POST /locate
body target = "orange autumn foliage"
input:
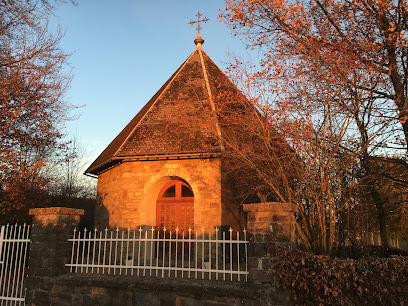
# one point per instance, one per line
(354, 41)
(338, 69)
(33, 79)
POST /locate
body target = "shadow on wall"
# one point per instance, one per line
(101, 216)
(88, 205)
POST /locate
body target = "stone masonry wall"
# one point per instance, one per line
(270, 225)
(50, 249)
(262, 251)
(81, 289)
(127, 194)
(50, 283)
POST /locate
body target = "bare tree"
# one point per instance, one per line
(349, 54)
(66, 172)
(288, 144)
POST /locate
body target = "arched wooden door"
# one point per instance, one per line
(175, 207)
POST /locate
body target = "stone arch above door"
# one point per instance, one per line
(203, 176)
(152, 190)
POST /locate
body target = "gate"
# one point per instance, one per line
(14, 243)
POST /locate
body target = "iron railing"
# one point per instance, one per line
(181, 254)
(14, 243)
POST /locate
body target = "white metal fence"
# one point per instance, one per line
(14, 243)
(162, 253)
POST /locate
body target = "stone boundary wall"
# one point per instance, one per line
(50, 283)
(86, 289)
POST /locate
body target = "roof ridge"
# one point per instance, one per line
(231, 82)
(207, 84)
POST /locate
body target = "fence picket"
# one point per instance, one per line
(14, 242)
(207, 255)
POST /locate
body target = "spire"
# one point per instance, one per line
(199, 41)
(147, 135)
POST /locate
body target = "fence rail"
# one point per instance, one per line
(163, 253)
(14, 242)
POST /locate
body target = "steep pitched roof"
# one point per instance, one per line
(179, 120)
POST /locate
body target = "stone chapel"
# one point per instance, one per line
(164, 168)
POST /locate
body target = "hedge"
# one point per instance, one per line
(321, 280)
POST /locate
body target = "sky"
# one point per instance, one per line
(124, 51)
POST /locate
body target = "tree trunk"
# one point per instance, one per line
(382, 218)
(370, 176)
(405, 127)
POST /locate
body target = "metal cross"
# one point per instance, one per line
(198, 21)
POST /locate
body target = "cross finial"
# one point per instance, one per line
(199, 41)
(198, 21)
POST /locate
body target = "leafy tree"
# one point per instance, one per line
(33, 80)
(366, 38)
(343, 59)
(284, 145)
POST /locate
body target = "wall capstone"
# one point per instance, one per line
(56, 216)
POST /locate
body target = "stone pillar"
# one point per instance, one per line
(269, 225)
(50, 249)
(275, 219)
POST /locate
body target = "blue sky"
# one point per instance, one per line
(124, 51)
